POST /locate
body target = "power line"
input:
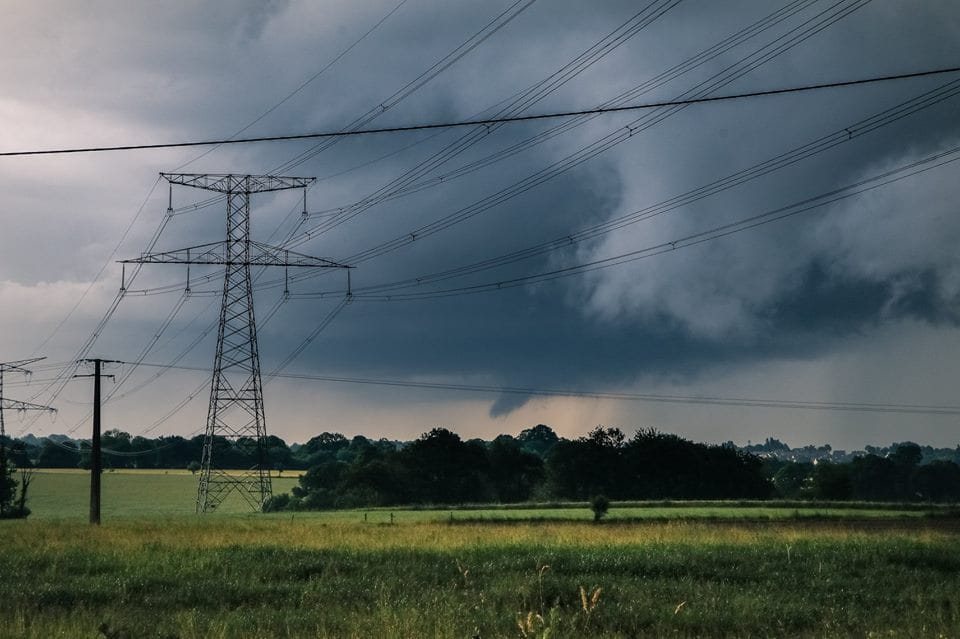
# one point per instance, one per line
(195, 392)
(499, 22)
(416, 180)
(514, 105)
(387, 294)
(402, 186)
(499, 284)
(284, 100)
(707, 88)
(782, 160)
(67, 372)
(700, 237)
(806, 205)
(416, 177)
(106, 263)
(303, 84)
(905, 408)
(490, 121)
(486, 32)
(640, 20)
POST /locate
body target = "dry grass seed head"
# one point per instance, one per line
(589, 602)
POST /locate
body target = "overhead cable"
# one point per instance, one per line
(519, 118)
(926, 409)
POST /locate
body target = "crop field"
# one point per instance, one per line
(687, 570)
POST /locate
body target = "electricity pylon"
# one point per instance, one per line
(236, 411)
(12, 404)
(17, 366)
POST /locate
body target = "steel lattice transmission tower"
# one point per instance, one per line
(236, 393)
(18, 366)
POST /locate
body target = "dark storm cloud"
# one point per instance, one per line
(506, 403)
(554, 335)
(794, 290)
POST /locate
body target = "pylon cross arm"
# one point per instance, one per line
(12, 404)
(218, 253)
(18, 365)
(233, 183)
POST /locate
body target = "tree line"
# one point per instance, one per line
(897, 476)
(440, 467)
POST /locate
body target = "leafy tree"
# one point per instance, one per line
(563, 467)
(115, 439)
(906, 458)
(652, 465)
(793, 480)
(938, 481)
(359, 448)
(320, 485)
(907, 455)
(175, 451)
(56, 455)
(514, 472)
(873, 478)
(18, 453)
(26, 478)
(604, 462)
(665, 466)
(538, 440)
(599, 505)
(733, 473)
(443, 469)
(278, 452)
(374, 482)
(13, 502)
(322, 448)
(832, 481)
(8, 487)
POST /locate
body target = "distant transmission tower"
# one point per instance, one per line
(235, 411)
(13, 404)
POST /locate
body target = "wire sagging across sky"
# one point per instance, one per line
(475, 156)
(917, 409)
(491, 121)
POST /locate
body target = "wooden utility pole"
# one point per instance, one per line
(96, 464)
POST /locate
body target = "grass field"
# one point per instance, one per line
(59, 494)
(757, 572)
(125, 493)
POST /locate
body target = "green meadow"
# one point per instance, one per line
(125, 493)
(59, 494)
(153, 569)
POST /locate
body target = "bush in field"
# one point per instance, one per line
(277, 503)
(13, 493)
(599, 505)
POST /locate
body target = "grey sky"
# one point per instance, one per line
(856, 301)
